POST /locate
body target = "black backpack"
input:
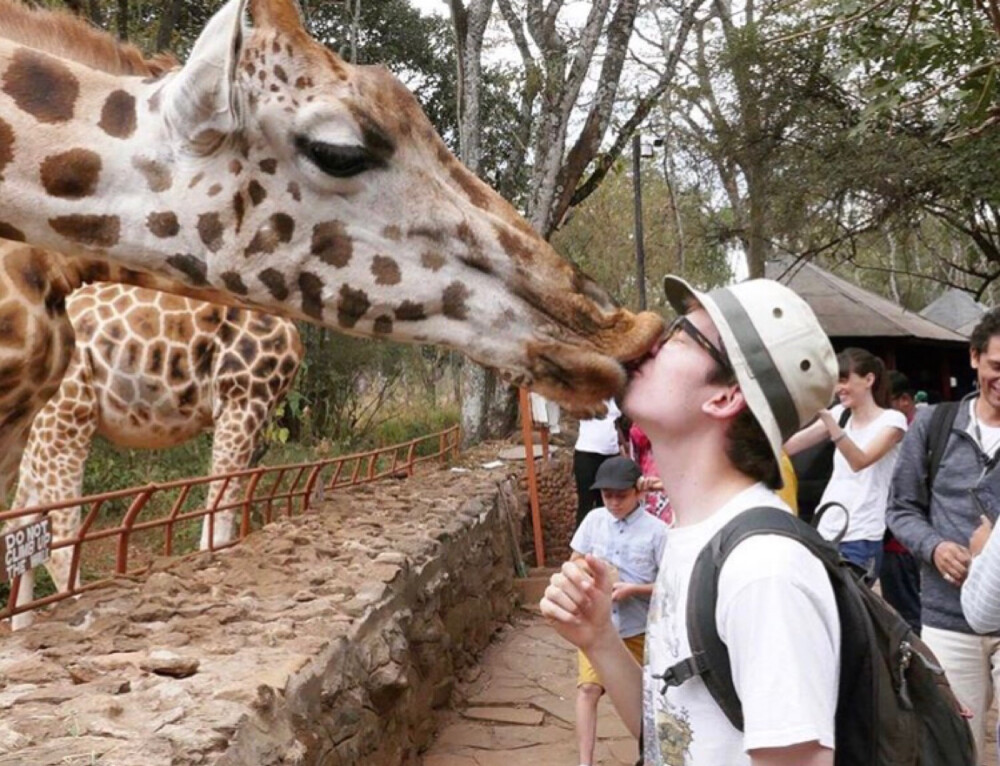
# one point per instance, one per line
(895, 706)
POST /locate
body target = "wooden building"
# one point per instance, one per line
(933, 357)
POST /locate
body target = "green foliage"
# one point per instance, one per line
(599, 237)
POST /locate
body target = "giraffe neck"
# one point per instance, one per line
(88, 171)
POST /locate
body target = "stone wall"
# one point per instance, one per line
(328, 638)
(557, 501)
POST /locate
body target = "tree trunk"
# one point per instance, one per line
(171, 12)
(122, 19)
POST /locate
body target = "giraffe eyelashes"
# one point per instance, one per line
(337, 160)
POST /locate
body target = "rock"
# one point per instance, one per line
(164, 663)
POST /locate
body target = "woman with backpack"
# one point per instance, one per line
(866, 449)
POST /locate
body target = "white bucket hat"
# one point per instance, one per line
(782, 359)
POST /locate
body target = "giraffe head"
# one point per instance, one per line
(269, 168)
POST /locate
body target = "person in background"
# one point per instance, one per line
(936, 523)
(900, 577)
(867, 447)
(641, 450)
(599, 439)
(625, 537)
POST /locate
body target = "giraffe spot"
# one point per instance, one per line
(269, 166)
(89, 230)
(233, 282)
(235, 167)
(311, 287)
(392, 233)
(226, 334)
(239, 208)
(302, 82)
(163, 225)
(206, 141)
(178, 368)
(118, 115)
(293, 189)
(194, 268)
(72, 174)
(6, 146)
(453, 300)
(513, 245)
(12, 233)
(133, 353)
(13, 326)
(276, 45)
(278, 229)
(157, 176)
(331, 244)
(274, 281)
(256, 192)
(476, 191)
(145, 322)
(156, 354)
(382, 325)
(279, 72)
(203, 357)
(264, 367)
(210, 231)
(247, 349)
(196, 180)
(352, 306)
(249, 68)
(214, 189)
(410, 311)
(385, 270)
(41, 85)
(431, 260)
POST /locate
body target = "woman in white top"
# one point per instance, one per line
(867, 447)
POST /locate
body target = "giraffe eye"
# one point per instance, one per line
(337, 160)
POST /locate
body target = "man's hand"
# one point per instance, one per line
(577, 602)
(952, 561)
(980, 536)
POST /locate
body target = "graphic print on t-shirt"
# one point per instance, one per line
(670, 722)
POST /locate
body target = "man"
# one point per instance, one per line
(900, 575)
(936, 525)
(741, 370)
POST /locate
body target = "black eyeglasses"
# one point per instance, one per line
(682, 323)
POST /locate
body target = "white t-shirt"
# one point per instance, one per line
(599, 435)
(864, 493)
(777, 615)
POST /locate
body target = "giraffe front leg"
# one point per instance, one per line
(233, 444)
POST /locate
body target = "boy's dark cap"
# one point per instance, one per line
(617, 473)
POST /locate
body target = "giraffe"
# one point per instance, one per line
(36, 335)
(269, 170)
(153, 370)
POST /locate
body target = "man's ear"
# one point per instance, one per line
(973, 359)
(725, 404)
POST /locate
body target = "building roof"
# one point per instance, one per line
(956, 309)
(846, 310)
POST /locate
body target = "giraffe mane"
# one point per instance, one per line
(62, 34)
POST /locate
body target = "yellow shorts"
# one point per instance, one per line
(587, 675)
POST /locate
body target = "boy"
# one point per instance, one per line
(740, 370)
(622, 535)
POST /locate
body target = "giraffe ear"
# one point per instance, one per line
(202, 100)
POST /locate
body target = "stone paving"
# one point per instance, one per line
(519, 710)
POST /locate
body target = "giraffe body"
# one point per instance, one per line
(270, 171)
(153, 370)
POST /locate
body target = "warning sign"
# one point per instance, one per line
(24, 548)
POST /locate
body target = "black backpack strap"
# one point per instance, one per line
(938, 433)
(710, 657)
(844, 417)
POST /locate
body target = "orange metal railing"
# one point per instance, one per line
(270, 492)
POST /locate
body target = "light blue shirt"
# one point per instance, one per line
(635, 545)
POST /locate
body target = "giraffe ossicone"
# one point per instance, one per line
(269, 170)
